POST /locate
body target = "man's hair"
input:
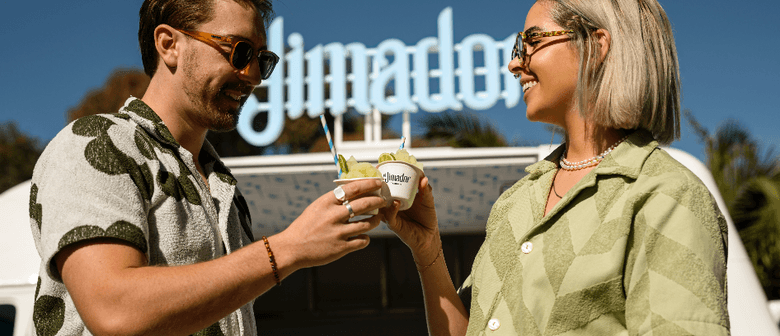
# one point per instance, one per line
(182, 14)
(637, 86)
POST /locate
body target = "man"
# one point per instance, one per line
(140, 226)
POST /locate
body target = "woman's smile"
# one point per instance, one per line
(528, 85)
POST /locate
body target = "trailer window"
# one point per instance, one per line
(7, 316)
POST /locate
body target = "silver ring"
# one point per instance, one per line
(349, 207)
(340, 194)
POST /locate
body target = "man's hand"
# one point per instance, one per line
(323, 233)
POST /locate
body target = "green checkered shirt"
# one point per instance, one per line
(637, 247)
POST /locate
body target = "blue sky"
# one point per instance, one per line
(56, 51)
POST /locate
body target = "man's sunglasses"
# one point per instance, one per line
(241, 52)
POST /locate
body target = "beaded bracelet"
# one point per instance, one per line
(441, 254)
(273, 261)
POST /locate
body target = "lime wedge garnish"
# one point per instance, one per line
(386, 157)
(343, 164)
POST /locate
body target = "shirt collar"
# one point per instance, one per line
(152, 124)
(210, 158)
(149, 120)
(626, 159)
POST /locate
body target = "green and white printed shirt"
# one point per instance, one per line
(637, 247)
(124, 176)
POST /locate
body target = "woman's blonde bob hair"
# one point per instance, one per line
(637, 86)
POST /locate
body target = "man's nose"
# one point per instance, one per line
(251, 73)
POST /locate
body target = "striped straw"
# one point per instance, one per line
(330, 143)
(403, 142)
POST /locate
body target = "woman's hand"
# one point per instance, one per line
(417, 227)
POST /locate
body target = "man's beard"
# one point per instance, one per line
(220, 118)
(214, 110)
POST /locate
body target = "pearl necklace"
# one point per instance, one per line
(571, 166)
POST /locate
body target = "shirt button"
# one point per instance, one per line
(527, 247)
(493, 324)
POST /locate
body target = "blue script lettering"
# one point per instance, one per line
(372, 71)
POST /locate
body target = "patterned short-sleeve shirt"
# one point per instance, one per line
(637, 247)
(124, 176)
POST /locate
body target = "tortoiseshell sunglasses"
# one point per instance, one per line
(241, 52)
(519, 50)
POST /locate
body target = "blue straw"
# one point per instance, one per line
(330, 143)
(403, 142)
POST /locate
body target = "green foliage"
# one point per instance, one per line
(748, 178)
(120, 85)
(756, 215)
(461, 129)
(18, 153)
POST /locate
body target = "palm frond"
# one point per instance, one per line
(461, 129)
(748, 178)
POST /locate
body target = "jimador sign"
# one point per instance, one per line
(372, 70)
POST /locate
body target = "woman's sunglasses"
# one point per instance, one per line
(241, 52)
(520, 50)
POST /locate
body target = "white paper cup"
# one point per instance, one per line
(403, 179)
(383, 192)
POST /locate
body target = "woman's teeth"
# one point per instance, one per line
(529, 85)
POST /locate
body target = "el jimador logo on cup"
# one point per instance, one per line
(396, 179)
(402, 174)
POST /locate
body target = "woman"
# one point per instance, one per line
(608, 235)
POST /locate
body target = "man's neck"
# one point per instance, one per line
(171, 111)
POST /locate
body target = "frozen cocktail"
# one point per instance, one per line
(402, 173)
(352, 170)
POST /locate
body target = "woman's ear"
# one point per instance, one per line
(166, 40)
(604, 39)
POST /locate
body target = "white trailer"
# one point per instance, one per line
(278, 188)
